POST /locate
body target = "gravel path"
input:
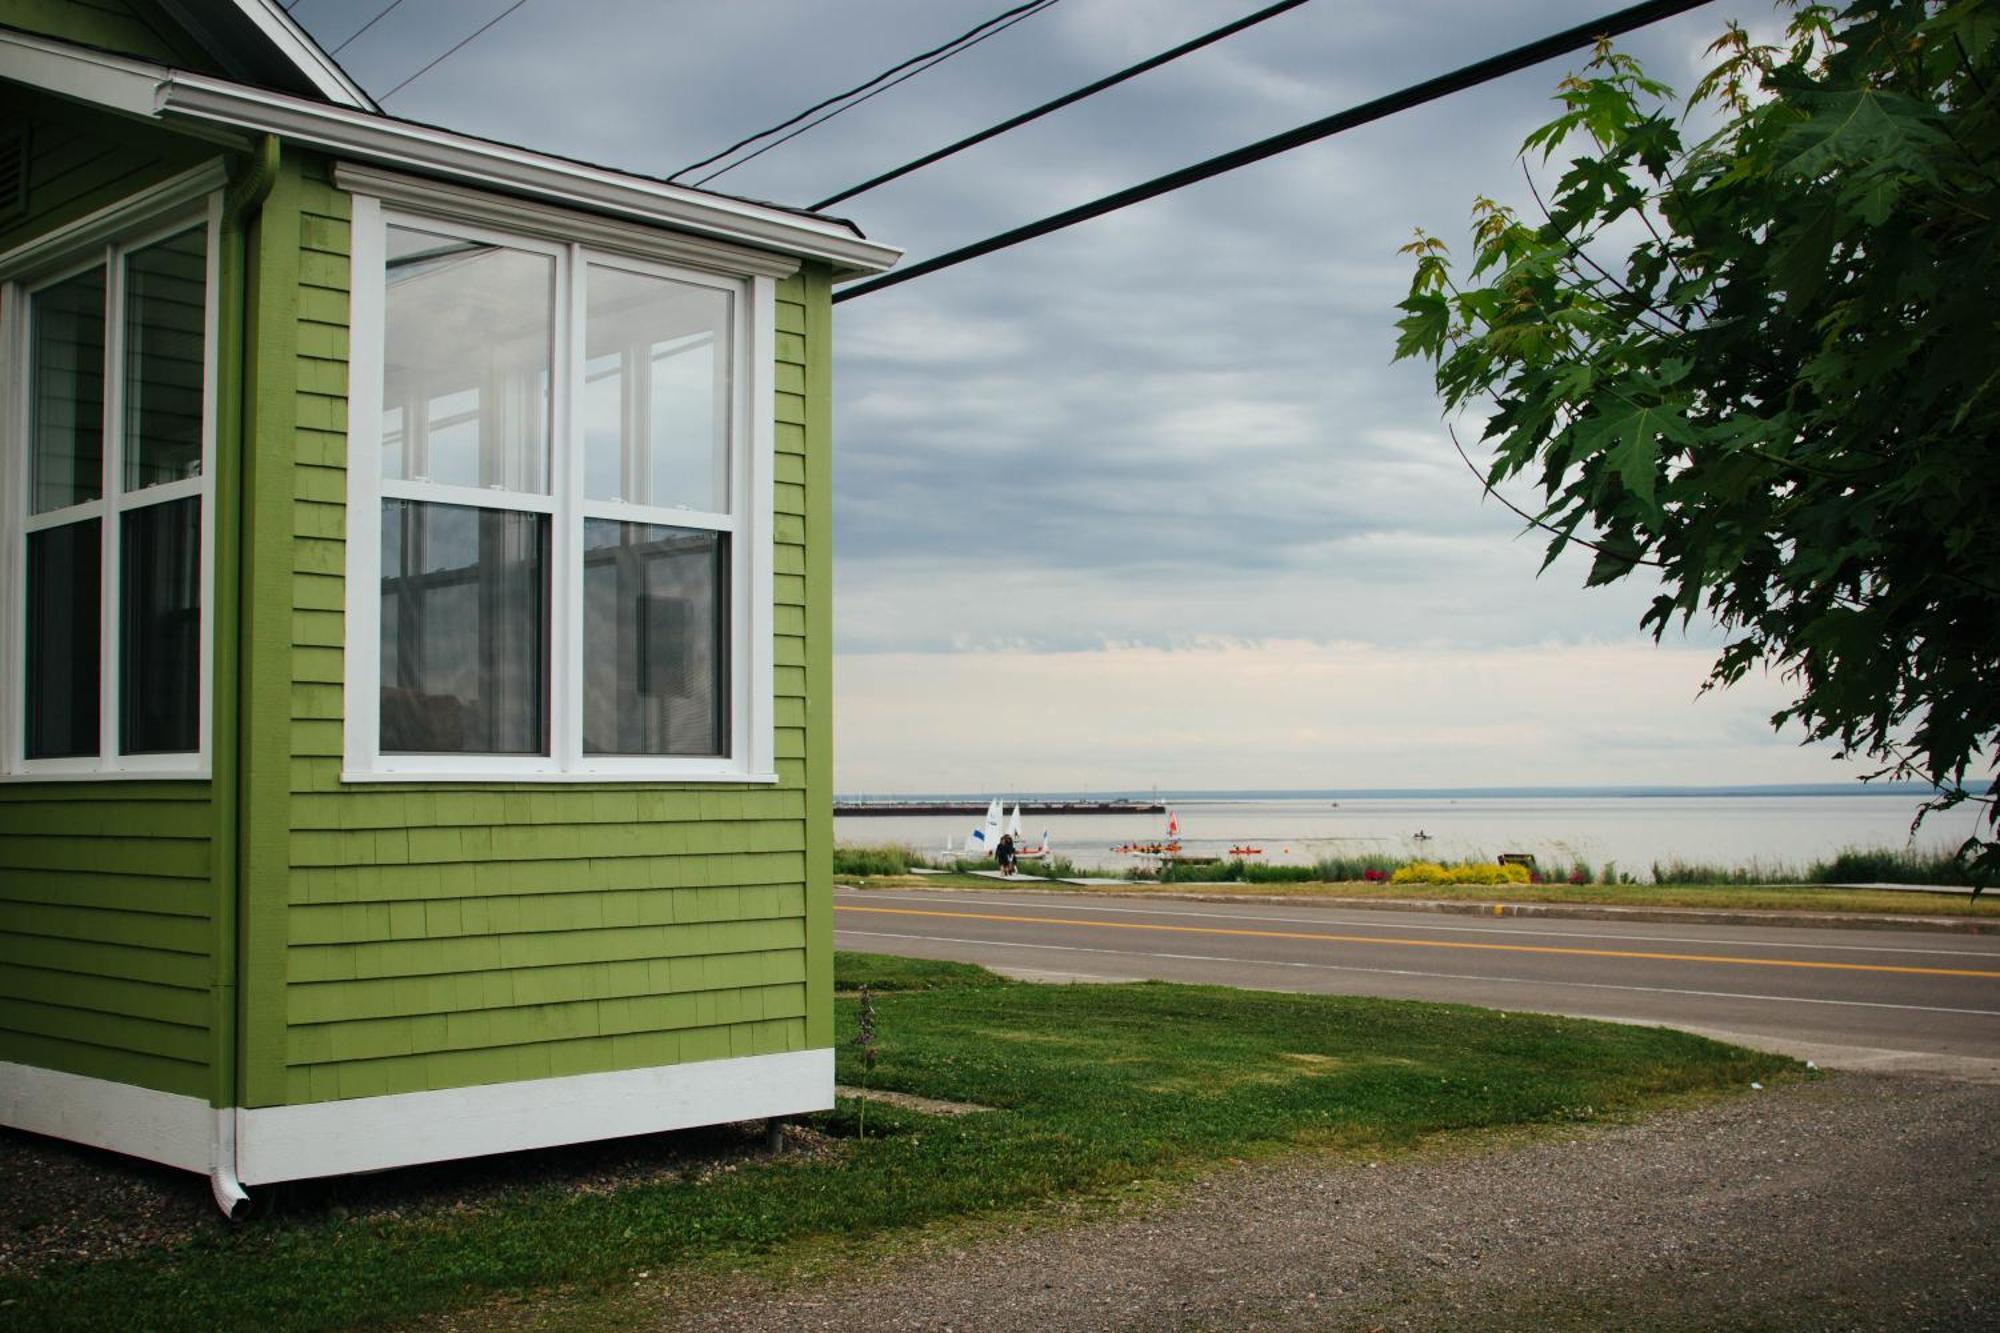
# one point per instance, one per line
(1855, 1202)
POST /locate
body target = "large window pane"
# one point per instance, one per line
(466, 363)
(66, 393)
(159, 635)
(656, 635)
(656, 391)
(63, 635)
(166, 289)
(465, 630)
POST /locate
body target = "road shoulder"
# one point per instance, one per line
(1852, 1201)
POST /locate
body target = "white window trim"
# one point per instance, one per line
(151, 215)
(752, 478)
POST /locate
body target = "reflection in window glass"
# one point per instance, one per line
(466, 362)
(62, 640)
(465, 630)
(66, 393)
(656, 391)
(655, 608)
(166, 288)
(159, 635)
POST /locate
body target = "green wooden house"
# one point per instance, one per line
(414, 620)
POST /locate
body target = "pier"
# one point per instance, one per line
(1028, 807)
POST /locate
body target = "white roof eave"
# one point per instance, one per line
(298, 46)
(425, 150)
(258, 34)
(206, 105)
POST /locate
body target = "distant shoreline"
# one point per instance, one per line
(1899, 790)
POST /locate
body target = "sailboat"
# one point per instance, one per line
(1021, 851)
(985, 838)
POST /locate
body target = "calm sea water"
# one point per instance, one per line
(1633, 831)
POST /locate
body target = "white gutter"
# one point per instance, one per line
(210, 23)
(434, 152)
(115, 82)
(209, 106)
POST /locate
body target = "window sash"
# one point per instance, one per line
(113, 503)
(749, 642)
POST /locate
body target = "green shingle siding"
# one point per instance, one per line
(542, 1059)
(82, 160)
(440, 935)
(816, 324)
(403, 938)
(106, 891)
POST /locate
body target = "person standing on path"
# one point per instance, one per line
(1004, 854)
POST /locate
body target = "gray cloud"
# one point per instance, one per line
(1174, 424)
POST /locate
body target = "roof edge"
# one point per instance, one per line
(252, 33)
(427, 150)
(205, 105)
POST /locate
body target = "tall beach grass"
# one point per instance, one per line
(1853, 865)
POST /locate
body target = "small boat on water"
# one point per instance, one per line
(984, 839)
(1246, 851)
(1169, 846)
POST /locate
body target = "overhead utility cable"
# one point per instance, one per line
(1022, 10)
(389, 9)
(1088, 90)
(454, 51)
(1430, 90)
(843, 109)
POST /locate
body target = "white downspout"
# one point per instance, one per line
(245, 196)
(230, 1196)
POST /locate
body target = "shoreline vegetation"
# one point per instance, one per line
(1760, 886)
(1852, 866)
(1084, 1109)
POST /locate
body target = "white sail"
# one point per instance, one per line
(985, 839)
(1014, 826)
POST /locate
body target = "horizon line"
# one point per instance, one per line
(1855, 788)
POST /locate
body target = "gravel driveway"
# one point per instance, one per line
(1854, 1202)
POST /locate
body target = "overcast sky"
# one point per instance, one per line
(1145, 502)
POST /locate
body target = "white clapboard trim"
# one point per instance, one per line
(139, 1122)
(403, 1129)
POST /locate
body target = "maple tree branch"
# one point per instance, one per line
(1487, 487)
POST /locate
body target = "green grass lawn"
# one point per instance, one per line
(1095, 1090)
(1725, 897)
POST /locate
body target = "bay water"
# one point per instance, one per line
(1633, 832)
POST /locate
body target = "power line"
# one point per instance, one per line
(843, 109)
(384, 13)
(1088, 90)
(454, 51)
(1430, 90)
(969, 33)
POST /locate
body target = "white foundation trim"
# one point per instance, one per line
(140, 1122)
(404, 1129)
(407, 1129)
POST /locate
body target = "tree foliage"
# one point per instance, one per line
(1785, 396)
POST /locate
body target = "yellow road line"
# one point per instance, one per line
(1424, 944)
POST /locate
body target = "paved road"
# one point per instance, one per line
(1856, 998)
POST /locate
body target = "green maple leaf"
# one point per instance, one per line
(1866, 127)
(1631, 442)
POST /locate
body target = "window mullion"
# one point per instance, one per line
(110, 576)
(620, 512)
(566, 541)
(14, 345)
